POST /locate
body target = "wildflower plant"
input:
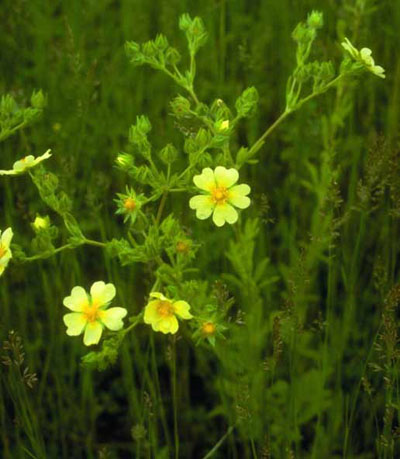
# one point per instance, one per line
(161, 237)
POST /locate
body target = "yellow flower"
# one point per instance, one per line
(90, 314)
(41, 223)
(22, 165)
(161, 313)
(5, 252)
(364, 56)
(221, 195)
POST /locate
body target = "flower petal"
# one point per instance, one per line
(181, 309)
(203, 204)
(6, 237)
(77, 300)
(9, 172)
(93, 333)
(226, 177)
(4, 260)
(168, 325)
(102, 293)
(347, 45)
(112, 318)
(205, 181)
(158, 295)
(156, 325)
(237, 196)
(75, 322)
(379, 71)
(224, 213)
(25, 163)
(364, 52)
(150, 312)
(41, 158)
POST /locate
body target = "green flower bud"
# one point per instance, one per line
(149, 50)
(161, 42)
(202, 139)
(315, 20)
(132, 50)
(7, 104)
(180, 106)
(124, 160)
(38, 100)
(222, 126)
(172, 56)
(143, 124)
(168, 154)
(246, 103)
(185, 21)
(303, 34)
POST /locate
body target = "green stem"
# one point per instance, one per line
(259, 143)
(49, 254)
(161, 207)
(137, 320)
(253, 448)
(95, 243)
(7, 133)
(174, 401)
(219, 443)
(319, 91)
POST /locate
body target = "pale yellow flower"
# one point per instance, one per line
(5, 251)
(161, 313)
(364, 57)
(90, 314)
(41, 223)
(221, 195)
(22, 165)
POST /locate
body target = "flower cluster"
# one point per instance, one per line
(22, 165)
(364, 57)
(220, 196)
(5, 251)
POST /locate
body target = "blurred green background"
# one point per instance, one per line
(334, 248)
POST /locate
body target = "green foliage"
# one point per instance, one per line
(292, 350)
(13, 117)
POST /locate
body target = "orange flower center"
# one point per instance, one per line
(208, 328)
(219, 195)
(129, 204)
(3, 251)
(182, 247)
(91, 312)
(165, 309)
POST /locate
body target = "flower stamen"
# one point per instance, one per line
(219, 195)
(129, 204)
(208, 329)
(165, 309)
